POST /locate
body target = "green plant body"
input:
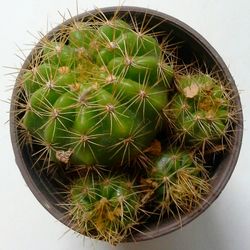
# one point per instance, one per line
(201, 111)
(177, 182)
(104, 208)
(96, 96)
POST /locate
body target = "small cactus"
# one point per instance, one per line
(176, 182)
(104, 208)
(201, 111)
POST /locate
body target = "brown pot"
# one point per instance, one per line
(193, 46)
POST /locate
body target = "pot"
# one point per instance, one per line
(193, 47)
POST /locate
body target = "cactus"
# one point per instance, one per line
(104, 95)
(104, 208)
(201, 112)
(176, 182)
(96, 96)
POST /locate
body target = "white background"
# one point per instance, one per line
(26, 225)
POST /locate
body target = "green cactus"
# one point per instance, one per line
(104, 208)
(201, 111)
(176, 183)
(80, 103)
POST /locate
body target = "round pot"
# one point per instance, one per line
(193, 47)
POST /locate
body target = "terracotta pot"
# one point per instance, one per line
(193, 46)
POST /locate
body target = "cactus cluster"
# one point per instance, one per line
(106, 100)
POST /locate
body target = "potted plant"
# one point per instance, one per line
(125, 120)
